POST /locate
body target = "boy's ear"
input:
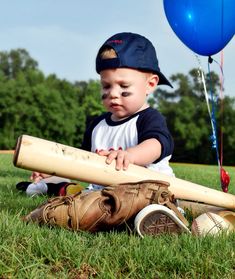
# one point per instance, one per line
(152, 82)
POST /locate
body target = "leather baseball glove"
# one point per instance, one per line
(103, 209)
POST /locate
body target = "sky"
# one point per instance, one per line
(64, 36)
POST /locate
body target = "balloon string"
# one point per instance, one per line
(222, 103)
(224, 175)
(213, 118)
(211, 112)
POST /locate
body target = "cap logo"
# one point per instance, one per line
(115, 42)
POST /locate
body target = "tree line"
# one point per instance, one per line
(58, 110)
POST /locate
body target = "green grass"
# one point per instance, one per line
(30, 251)
(206, 175)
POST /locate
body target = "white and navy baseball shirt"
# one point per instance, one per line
(106, 134)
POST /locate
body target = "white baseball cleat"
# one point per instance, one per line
(157, 219)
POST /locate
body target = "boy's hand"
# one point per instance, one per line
(142, 154)
(37, 176)
(123, 158)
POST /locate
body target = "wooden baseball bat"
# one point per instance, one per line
(45, 156)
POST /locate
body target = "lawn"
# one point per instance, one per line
(30, 251)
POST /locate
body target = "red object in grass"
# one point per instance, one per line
(224, 179)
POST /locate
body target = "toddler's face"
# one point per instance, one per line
(124, 91)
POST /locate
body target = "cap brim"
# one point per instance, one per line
(163, 80)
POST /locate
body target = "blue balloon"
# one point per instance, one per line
(205, 26)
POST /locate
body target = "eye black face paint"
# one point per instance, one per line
(104, 96)
(126, 94)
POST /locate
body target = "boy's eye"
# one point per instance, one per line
(105, 86)
(126, 94)
(124, 86)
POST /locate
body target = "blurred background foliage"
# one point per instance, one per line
(58, 110)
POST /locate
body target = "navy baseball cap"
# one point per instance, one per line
(133, 51)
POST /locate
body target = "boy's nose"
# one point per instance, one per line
(114, 93)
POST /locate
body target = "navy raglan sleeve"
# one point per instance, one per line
(87, 138)
(152, 124)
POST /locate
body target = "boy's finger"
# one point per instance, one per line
(36, 180)
(126, 164)
(119, 161)
(103, 152)
(111, 156)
